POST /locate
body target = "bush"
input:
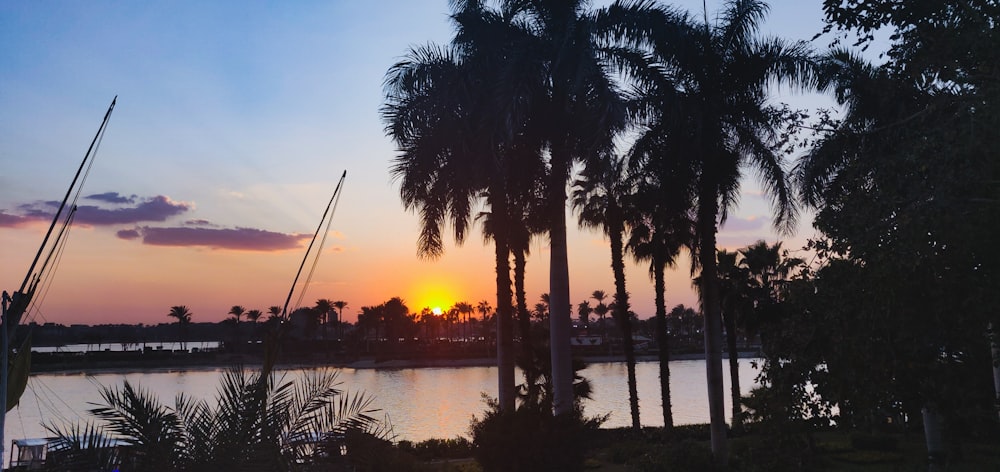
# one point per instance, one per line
(531, 439)
(433, 449)
(683, 456)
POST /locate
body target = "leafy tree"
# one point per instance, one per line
(902, 183)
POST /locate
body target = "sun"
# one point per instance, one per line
(433, 294)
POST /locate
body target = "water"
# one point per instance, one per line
(421, 403)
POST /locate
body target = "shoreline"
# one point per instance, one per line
(359, 364)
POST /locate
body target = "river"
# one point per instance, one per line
(421, 403)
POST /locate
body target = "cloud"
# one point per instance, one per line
(198, 222)
(157, 208)
(128, 234)
(751, 223)
(111, 197)
(138, 210)
(239, 239)
(8, 220)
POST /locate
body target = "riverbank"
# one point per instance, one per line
(95, 364)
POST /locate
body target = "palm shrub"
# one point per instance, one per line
(531, 437)
(258, 422)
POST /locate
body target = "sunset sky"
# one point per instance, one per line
(234, 121)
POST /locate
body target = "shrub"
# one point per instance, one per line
(530, 439)
(433, 449)
(686, 455)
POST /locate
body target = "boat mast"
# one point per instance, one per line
(336, 191)
(16, 305)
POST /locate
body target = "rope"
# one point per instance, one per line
(319, 250)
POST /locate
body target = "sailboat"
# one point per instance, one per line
(14, 372)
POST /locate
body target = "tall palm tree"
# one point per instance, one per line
(183, 316)
(442, 108)
(717, 119)
(339, 327)
(580, 112)
(323, 308)
(734, 296)
(236, 312)
(600, 310)
(659, 231)
(254, 316)
(583, 312)
(602, 197)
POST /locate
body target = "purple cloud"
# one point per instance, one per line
(239, 239)
(128, 234)
(158, 208)
(8, 220)
(198, 223)
(111, 197)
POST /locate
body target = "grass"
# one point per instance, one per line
(622, 450)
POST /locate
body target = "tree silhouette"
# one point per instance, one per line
(183, 317)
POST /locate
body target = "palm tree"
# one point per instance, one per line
(454, 147)
(183, 317)
(339, 327)
(716, 118)
(237, 312)
(659, 231)
(254, 316)
(600, 309)
(579, 111)
(256, 423)
(583, 311)
(734, 294)
(323, 308)
(602, 196)
(463, 308)
(274, 312)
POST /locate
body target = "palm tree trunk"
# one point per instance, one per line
(559, 306)
(505, 332)
(621, 312)
(664, 343)
(734, 370)
(524, 325)
(712, 310)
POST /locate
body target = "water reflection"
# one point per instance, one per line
(421, 403)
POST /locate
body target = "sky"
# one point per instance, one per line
(233, 123)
